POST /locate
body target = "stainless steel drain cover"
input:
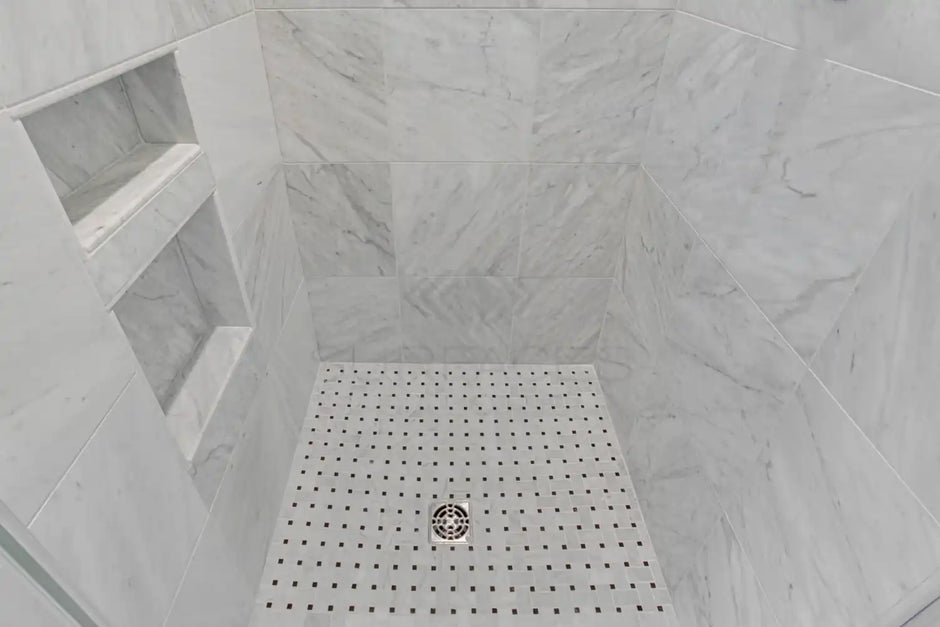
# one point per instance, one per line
(449, 522)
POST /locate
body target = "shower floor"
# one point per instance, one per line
(557, 536)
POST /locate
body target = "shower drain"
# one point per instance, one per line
(449, 522)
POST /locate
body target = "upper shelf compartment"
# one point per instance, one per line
(124, 159)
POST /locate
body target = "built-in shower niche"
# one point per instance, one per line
(185, 318)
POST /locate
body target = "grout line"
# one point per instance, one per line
(737, 30)
(635, 164)
(85, 445)
(380, 7)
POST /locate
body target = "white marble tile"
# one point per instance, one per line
(121, 244)
(164, 321)
(250, 494)
(46, 44)
(458, 219)
(190, 16)
(124, 519)
(224, 431)
(597, 79)
(721, 588)
(574, 219)
(294, 364)
(80, 136)
(558, 321)
(327, 77)
(342, 217)
(776, 146)
(834, 536)
(609, 4)
(731, 371)
(52, 326)
(227, 89)
(896, 40)
(880, 361)
(456, 319)
(466, 4)
(156, 94)
(356, 318)
(745, 15)
(212, 267)
(215, 591)
(461, 84)
(269, 262)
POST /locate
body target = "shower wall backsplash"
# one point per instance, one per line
(458, 179)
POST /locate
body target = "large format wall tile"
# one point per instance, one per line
(558, 321)
(327, 81)
(224, 77)
(834, 536)
(356, 318)
(123, 521)
(461, 84)
(574, 219)
(880, 360)
(597, 79)
(270, 264)
(342, 217)
(53, 328)
(772, 147)
(293, 366)
(722, 588)
(46, 43)
(456, 319)
(190, 16)
(458, 219)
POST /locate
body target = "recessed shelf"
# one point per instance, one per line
(104, 203)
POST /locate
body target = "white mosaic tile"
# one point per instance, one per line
(557, 534)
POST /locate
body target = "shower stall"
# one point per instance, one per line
(328, 313)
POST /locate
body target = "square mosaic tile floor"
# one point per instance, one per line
(557, 537)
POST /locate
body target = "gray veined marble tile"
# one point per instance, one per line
(456, 319)
(461, 84)
(880, 359)
(342, 217)
(74, 40)
(190, 16)
(327, 79)
(721, 588)
(574, 219)
(156, 95)
(458, 219)
(356, 318)
(770, 145)
(558, 321)
(834, 536)
(227, 89)
(597, 80)
(294, 364)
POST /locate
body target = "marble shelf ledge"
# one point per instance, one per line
(195, 403)
(124, 216)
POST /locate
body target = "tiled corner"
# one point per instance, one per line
(356, 318)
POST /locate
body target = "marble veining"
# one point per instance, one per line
(159, 103)
(461, 84)
(190, 16)
(879, 360)
(558, 320)
(357, 318)
(342, 216)
(597, 79)
(835, 537)
(458, 219)
(294, 363)
(327, 81)
(574, 219)
(456, 319)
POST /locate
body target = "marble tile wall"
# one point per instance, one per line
(767, 344)
(458, 172)
(85, 459)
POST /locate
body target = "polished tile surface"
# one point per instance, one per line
(458, 219)
(556, 536)
(597, 78)
(327, 80)
(461, 84)
(342, 217)
(356, 318)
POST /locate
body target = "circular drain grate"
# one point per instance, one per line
(450, 523)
